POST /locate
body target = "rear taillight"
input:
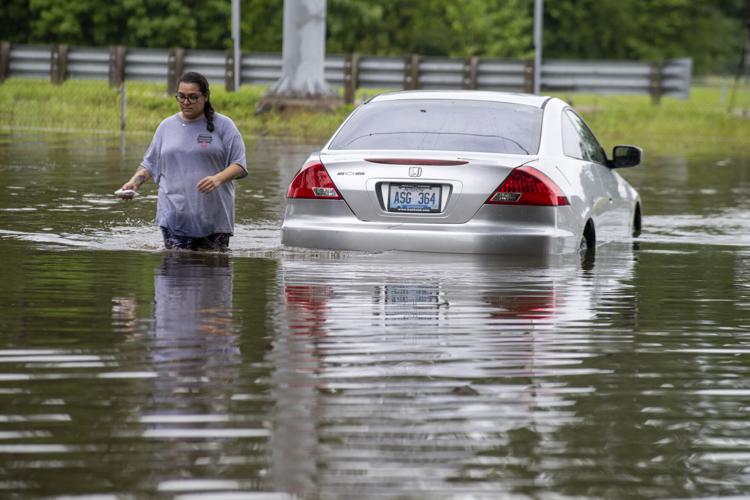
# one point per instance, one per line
(528, 186)
(313, 181)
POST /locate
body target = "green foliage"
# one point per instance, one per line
(74, 23)
(262, 25)
(148, 25)
(15, 20)
(634, 29)
(134, 23)
(213, 19)
(493, 28)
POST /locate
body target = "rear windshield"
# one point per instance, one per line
(431, 124)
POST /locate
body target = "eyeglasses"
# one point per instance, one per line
(192, 98)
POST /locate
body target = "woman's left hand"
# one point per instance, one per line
(208, 184)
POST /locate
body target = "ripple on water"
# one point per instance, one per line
(729, 227)
(248, 240)
(330, 374)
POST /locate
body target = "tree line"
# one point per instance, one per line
(710, 31)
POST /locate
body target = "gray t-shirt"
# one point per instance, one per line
(181, 154)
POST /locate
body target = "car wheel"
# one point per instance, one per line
(588, 238)
(637, 222)
(582, 246)
(587, 247)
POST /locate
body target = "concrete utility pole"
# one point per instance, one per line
(302, 82)
(538, 14)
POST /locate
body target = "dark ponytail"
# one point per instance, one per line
(208, 110)
(202, 83)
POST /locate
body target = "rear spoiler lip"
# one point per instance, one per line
(417, 161)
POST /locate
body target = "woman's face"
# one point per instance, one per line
(191, 110)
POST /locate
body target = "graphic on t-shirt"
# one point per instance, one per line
(205, 139)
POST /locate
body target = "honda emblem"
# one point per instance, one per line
(415, 171)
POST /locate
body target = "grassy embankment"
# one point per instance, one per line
(93, 107)
(699, 123)
(702, 123)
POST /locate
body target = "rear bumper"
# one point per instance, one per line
(331, 225)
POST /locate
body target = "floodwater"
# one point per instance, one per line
(129, 372)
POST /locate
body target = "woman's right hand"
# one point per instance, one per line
(128, 186)
(140, 176)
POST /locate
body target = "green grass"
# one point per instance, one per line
(94, 107)
(674, 125)
(702, 122)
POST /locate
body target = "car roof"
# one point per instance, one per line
(467, 95)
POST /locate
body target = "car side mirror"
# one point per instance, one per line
(626, 156)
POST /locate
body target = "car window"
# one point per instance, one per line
(442, 124)
(572, 142)
(591, 148)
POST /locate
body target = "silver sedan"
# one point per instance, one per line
(462, 172)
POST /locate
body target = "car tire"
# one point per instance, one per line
(637, 222)
(588, 238)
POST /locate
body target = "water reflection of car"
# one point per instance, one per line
(421, 372)
(426, 289)
(463, 172)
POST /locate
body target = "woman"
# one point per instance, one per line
(193, 158)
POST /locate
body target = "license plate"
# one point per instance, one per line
(414, 198)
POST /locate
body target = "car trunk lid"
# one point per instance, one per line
(433, 187)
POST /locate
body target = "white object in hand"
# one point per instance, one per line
(128, 193)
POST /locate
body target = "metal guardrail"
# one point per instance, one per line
(59, 62)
